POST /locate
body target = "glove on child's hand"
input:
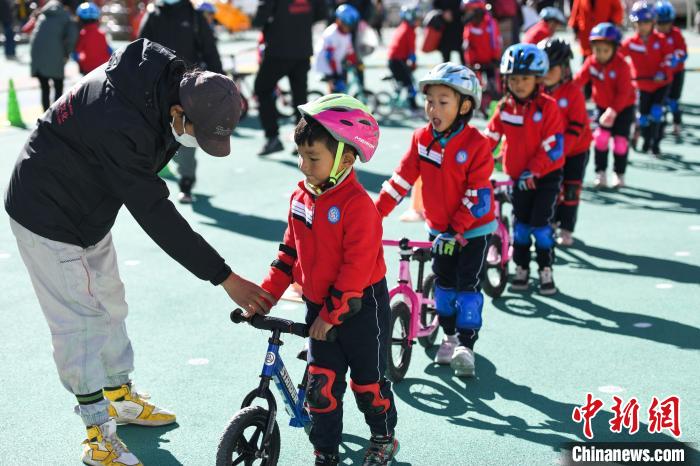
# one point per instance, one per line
(527, 181)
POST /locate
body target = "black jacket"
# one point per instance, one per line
(286, 25)
(183, 29)
(101, 146)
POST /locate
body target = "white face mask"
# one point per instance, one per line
(185, 139)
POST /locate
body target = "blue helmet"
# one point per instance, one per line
(347, 14)
(88, 11)
(665, 13)
(206, 7)
(524, 59)
(605, 31)
(408, 13)
(551, 13)
(641, 11)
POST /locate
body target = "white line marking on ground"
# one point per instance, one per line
(694, 228)
(131, 262)
(4, 255)
(198, 362)
(681, 253)
(664, 286)
(610, 389)
(642, 325)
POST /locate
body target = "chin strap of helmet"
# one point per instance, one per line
(335, 175)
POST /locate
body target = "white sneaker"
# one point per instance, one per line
(463, 362)
(104, 448)
(600, 180)
(618, 181)
(521, 281)
(565, 238)
(447, 348)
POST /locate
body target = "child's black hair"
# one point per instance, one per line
(309, 131)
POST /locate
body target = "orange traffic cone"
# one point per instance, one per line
(415, 212)
(14, 117)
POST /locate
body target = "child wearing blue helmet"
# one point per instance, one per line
(91, 50)
(532, 127)
(665, 14)
(337, 50)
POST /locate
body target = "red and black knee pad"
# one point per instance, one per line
(319, 390)
(372, 398)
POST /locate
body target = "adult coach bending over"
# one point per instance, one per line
(99, 147)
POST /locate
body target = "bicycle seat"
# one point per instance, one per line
(421, 255)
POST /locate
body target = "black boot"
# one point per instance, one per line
(326, 459)
(647, 137)
(656, 135)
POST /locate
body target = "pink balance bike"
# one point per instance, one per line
(500, 250)
(413, 316)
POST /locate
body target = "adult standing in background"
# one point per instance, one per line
(177, 25)
(7, 18)
(286, 27)
(587, 13)
(53, 39)
(451, 39)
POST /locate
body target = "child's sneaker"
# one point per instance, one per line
(326, 459)
(618, 181)
(104, 448)
(447, 349)
(463, 362)
(381, 451)
(547, 282)
(565, 238)
(600, 180)
(128, 407)
(521, 281)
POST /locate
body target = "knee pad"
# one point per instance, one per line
(544, 237)
(319, 390)
(572, 192)
(445, 301)
(657, 113)
(469, 306)
(371, 398)
(643, 120)
(601, 137)
(673, 105)
(620, 145)
(521, 234)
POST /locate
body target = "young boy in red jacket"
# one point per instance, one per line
(577, 133)
(482, 42)
(650, 57)
(333, 249)
(454, 161)
(91, 50)
(402, 53)
(551, 19)
(614, 97)
(533, 156)
(665, 14)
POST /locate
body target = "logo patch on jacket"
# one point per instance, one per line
(537, 116)
(461, 156)
(334, 215)
(612, 74)
(563, 102)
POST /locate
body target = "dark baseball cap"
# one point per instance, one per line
(213, 104)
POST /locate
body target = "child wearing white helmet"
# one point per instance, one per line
(454, 161)
(333, 249)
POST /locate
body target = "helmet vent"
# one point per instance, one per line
(365, 122)
(346, 122)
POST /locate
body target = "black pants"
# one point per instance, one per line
(535, 208)
(272, 69)
(401, 72)
(674, 93)
(46, 88)
(362, 345)
(570, 194)
(461, 272)
(621, 128)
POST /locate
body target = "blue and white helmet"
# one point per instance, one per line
(458, 77)
(524, 59)
(88, 11)
(665, 13)
(641, 11)
(347, 14)
(408, 13)
(551, 13)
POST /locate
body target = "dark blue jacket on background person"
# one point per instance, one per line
(101, 146)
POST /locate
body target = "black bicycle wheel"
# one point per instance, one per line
(241, 443)
(285, 107)
(495, 275)
(400, 351)
(384, 104)
(427, 313)
(313, 95)
(368, 98)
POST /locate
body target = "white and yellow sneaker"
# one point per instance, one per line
(128, 407)
(104, 448)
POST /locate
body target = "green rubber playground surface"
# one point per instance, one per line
(626, 321)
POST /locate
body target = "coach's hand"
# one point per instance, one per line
(249, 296)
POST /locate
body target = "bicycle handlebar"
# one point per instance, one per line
(406, 243)
(275, 323)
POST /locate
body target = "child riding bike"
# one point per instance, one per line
(402, 53)
(337, 49)
(333, 249)
(454, 161)
(533, 156)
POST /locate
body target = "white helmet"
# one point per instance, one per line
(458, 77)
